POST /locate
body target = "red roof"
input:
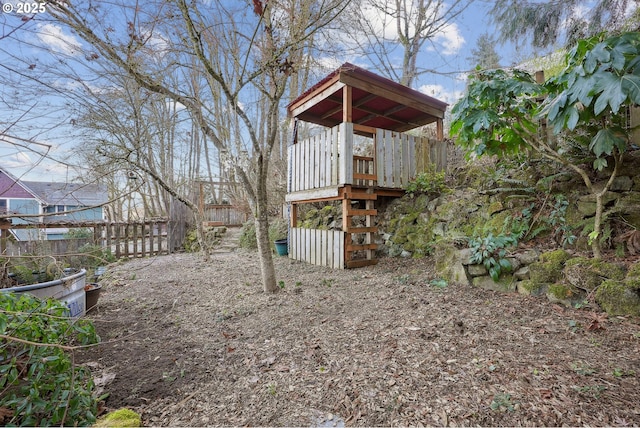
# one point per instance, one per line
(376, 101)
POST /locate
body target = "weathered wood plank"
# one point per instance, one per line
(396, 148)
(412, 162)
(404, 164)
(388, 162)
(345, 158)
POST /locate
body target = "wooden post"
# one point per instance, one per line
(135, 239)
(152, 233)
(293, 215)
(439, 130)
(5, 225)
(347, 104)
(116, 238)
(345, 157)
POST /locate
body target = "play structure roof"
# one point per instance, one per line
(376, 102)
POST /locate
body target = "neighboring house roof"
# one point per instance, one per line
(12, 187)
(71, 194)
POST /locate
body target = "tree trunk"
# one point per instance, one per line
(597, 226)
(264, 245)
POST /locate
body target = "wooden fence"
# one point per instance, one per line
(227, 215)
(318, 247)
(135, 239)
(132, 239)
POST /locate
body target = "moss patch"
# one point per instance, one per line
(633, 277)
(530, 288)
(588, 274)
(557, 257)
(119, 418)
(565, 294)
(616, 298)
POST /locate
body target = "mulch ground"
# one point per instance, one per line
(192, 343)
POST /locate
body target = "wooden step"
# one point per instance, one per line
(359, 247)
(351, 264)
(358, 229)
(367, 177)
(358, 196)
(352, 212)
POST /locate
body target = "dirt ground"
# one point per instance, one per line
(194, 343)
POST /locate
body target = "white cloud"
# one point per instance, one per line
(441, 93)
(58, 41)
(449, 41)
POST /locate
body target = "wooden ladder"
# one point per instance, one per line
(362, 252)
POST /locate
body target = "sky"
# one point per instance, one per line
(449, 54)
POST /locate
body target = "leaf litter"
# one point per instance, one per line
(195, 343)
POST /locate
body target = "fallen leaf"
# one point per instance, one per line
(5, 414)
(546, 394)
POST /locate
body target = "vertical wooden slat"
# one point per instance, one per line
(323, 248)
(335, 149)
(326, 159)
(340, 254)
(346, 154)
(290, 164)
(331, 242)
(318, 258)
(397, 157)
(152, 236)
(412, 159)
(135, 239)
(312, 246)
(388, 164)
(322, 159)
(295, 180)
(379, 155)
(306, 245)
(144, 239)
(318, 162)
(406, 160)
(306, 157)
(116, 238)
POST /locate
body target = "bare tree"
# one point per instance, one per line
(246, 52)
(379, 28)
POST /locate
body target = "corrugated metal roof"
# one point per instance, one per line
(71, 194)
(376, 101)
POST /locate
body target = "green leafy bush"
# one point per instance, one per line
(430, 182)
(278, 229)
(91, 256)
(79, 233)
(39, 383)
(491, 252)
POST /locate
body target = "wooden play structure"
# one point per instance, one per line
(353, 103)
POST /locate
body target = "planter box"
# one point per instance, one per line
(69, 290)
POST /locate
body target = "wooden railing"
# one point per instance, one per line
(227, 215)
(400, 157)
(364, 173)
(323, 161)
(320, 164)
